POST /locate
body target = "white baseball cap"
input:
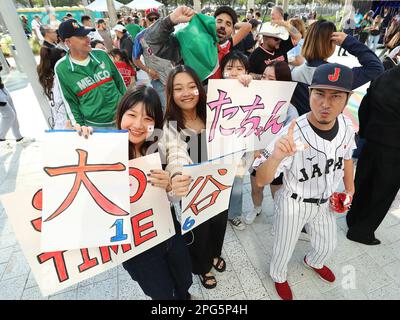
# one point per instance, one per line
(119, 27)
(275, 31)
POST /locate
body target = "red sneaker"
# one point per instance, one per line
(325, 273)
(283, 290)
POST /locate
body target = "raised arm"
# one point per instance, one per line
(371, 66)
(295, 35)
(243, 30)
(160, 38)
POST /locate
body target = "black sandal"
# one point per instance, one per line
(203, 279)
(218, 267)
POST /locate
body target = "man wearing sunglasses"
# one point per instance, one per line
(277, 18)
(156, 68)
(152, 15)
(269, 51)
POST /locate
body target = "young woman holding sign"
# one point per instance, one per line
(184, 142)
(164, 271)
(235, 65)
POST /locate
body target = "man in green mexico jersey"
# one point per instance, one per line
(90, 83)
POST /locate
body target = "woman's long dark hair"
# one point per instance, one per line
(173, 112)
(45, 69)
(149, 97)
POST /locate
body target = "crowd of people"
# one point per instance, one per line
(89, 77)
(371, 28)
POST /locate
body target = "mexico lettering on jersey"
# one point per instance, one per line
(89, 81)
(317, 171)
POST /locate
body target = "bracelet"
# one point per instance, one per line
(171, 193)
(264, 155)
(174, 175)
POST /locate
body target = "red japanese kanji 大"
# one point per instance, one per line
(81, 177)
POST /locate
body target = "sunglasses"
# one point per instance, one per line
(151, 19)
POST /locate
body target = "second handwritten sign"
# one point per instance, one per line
(241, 117)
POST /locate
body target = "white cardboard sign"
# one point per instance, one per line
(241, 117)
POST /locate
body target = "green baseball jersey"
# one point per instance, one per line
(90, 93)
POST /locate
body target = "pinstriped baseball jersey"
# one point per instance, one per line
(317, 171)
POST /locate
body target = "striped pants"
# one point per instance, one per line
(290, 217)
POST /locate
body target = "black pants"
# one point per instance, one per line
(377, 183)
(363, 37)
(164, 271)
(205, 242)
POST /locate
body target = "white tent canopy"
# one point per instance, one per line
(144, 4)
(101, 6)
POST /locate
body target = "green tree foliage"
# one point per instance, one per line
(55, 3)
(60, 3)
(30, 3)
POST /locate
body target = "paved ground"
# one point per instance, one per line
(362, 272)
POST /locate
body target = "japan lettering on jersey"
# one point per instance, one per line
(317, 171)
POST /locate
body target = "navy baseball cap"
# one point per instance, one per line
(332, 76)
(71, 28)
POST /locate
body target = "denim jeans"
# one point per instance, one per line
(373, 42)
(9, 120)
(235, 202)
(160, 88)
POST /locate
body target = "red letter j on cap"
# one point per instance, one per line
(334, 77)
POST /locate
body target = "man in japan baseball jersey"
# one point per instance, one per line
(314, 153)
